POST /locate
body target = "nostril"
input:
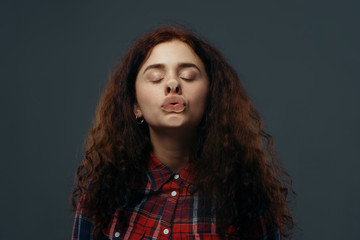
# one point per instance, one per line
(177, 89)
(168, 89)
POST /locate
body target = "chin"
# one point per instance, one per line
(175, 121)
(175, 125)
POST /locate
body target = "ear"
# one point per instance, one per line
(137, 110)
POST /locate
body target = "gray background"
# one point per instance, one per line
(299, 61)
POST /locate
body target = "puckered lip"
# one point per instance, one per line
(173, 100)
(175, 104)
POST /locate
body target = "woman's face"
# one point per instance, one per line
(171, 87)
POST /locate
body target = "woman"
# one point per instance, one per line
(177, 151)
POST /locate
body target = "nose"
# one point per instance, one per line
(173, 87)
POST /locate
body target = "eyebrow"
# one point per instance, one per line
(188, 65)
(162, 66)
(154, 66)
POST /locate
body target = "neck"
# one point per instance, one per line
(171, 148)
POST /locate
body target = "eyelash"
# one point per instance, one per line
(157, 80)
(183, 78)
(187, 78)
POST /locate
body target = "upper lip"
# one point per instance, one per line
(173, 100)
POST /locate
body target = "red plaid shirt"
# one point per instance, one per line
(165, 209)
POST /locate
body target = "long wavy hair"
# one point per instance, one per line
(234, 157)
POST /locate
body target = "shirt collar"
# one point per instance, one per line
(159, 173)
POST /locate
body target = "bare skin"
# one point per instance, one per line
(171, 90)
(169, 150)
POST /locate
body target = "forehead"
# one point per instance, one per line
(174, 51)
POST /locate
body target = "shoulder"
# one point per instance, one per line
(83, 223)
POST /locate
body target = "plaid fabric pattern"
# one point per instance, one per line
(165, 209)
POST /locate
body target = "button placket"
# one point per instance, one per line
(173, 191)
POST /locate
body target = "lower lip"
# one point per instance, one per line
(173, 108)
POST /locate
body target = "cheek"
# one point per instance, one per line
(141, 94)
(146, 97)
(201, 94)
(199, 99)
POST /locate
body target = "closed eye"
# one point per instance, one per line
(188, 78)
(155, 75)
(157, 80)
(188, 74)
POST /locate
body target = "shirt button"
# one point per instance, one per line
(166, 231)
(117, 234)
(176, 176)
(173, 193)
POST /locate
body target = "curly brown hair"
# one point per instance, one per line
(234, 157)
